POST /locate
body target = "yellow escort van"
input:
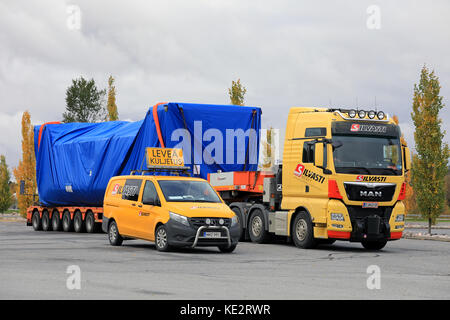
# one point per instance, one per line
(172, 211)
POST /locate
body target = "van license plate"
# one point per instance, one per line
(212, 234)
(370, 205)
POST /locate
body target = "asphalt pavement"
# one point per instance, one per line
(48, 265)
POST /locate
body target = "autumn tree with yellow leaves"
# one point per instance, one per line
(26, 170)
(430, 163)
(111, 106)
(237, 93)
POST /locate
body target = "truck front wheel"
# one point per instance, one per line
(302, 231)
(374, 245)
(256, 227)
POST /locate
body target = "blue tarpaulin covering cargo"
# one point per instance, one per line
(74, 161)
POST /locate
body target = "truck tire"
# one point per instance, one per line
(36, 221)
(67, 223)
(373, 245)
(257, 227)
(302, 231)
(226, 249)
(161, 239)
(46, 224)
(56, 221)
(78, 223)
(90, 222)
(325, 241)
(115, 239)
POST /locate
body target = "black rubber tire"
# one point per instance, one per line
(161, 239)
(256, 227)
(46, 223)
(90, 222)
(226, 249)
(78, 223)
(36, 221)
(302, 222)
(325, 241)
(56, 221)
(374, 245)
(237, 212)
(67, 222)
(114, 237)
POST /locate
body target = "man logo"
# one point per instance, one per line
(371, 194)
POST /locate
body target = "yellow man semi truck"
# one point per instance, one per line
(342, 178)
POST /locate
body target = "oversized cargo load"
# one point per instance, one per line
(74, 161)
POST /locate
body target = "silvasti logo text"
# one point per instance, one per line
(370, 179)
(368, 128)
(300, 171)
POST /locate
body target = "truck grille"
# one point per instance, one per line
(199, 222)
(360, 191)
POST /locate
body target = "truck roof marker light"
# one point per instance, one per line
(380, 115)
(402, 194)
(352, 113)
(333, 190)
(361, 114)
(371, 114)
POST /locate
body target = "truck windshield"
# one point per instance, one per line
(188, 191)
(367, 155)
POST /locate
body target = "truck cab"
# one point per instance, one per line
(342, 178)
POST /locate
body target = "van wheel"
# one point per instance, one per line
(302, 232)
(256, 227)
(56, 221)
(237, 212)
(36, 221)
(161, 239)
(115, 239)
(45, 221)
(78, 223)
(374, 245)
(226, 249)
(67, 222)
(90, 223)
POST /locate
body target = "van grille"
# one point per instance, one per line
(199, 222)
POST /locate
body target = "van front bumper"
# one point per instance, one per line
(180, 235)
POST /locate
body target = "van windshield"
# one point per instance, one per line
(188, 191)
(367, 155)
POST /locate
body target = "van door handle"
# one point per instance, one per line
(133, 204)
(140, 205)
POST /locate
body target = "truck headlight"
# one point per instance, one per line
(234, 220)
(337, 217)
(400, 218)
(179, 218)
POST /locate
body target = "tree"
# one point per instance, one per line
(6, 199)
(113, 115)
(26, 169)
(237, 93)
(84, 102)
(430, 164)
(410, 199)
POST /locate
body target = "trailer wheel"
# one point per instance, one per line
(374, 245)
(256, 227)
(78, 223)
(115, 239)
(67, 222)
(90, 222)
(46, 221)
(36, 221)
(302, 232)
(56, 221)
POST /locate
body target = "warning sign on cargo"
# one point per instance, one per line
(164, 157)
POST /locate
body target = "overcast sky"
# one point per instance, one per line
(286, 53)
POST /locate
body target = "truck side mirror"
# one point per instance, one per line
(407, 156)
(318, 155)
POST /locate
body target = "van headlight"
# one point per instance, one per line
(179, 218)
(400, 218)
(234, 220)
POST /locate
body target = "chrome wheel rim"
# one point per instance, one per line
(161, 238)
(257, 226)
(301, 229)
(112, 233)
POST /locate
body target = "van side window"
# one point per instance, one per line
(308, 152)
(150, 196)
(131, 189)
